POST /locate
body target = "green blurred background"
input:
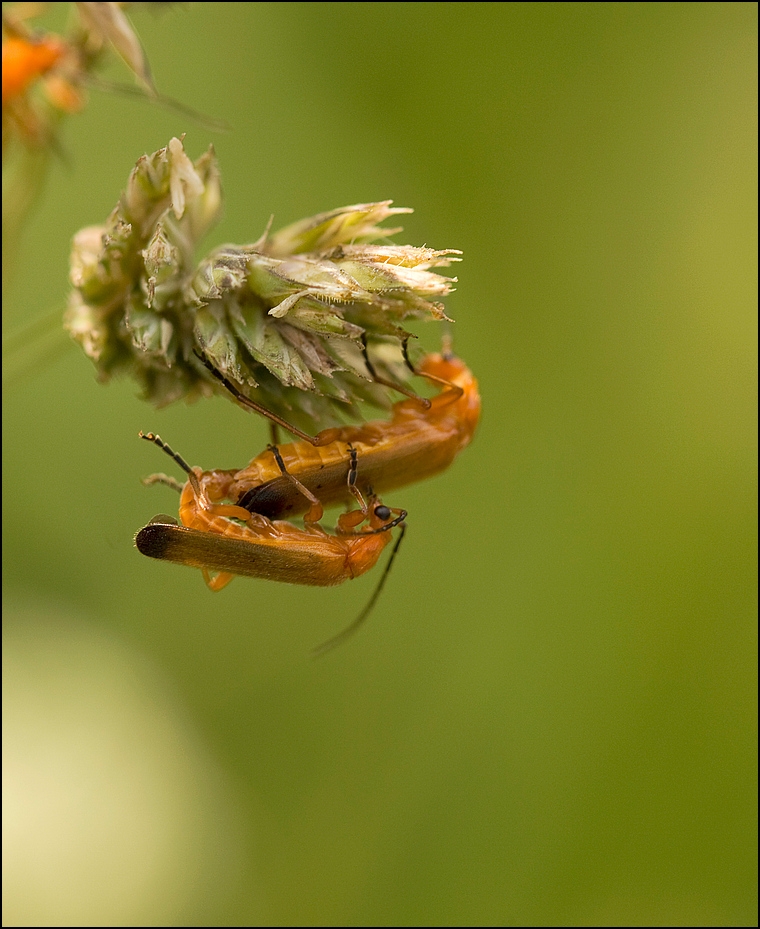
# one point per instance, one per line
(550, 718)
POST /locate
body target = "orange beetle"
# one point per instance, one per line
(209, 539)
(421, 439)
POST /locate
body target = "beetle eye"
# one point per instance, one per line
(382, 512)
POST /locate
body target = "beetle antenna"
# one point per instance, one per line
(157, 440)
(341, 637)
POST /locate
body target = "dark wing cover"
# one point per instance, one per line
(291, 565)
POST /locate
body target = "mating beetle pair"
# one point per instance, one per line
(232, 521)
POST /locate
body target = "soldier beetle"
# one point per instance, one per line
(211, 540)
(421, 439)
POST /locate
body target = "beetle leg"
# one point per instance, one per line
(353, 470)
(162, 478)
(217, 581)
(425, 404)
(316, 510)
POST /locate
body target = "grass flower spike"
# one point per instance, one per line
(286, 318)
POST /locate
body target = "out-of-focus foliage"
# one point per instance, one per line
(46, 75)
